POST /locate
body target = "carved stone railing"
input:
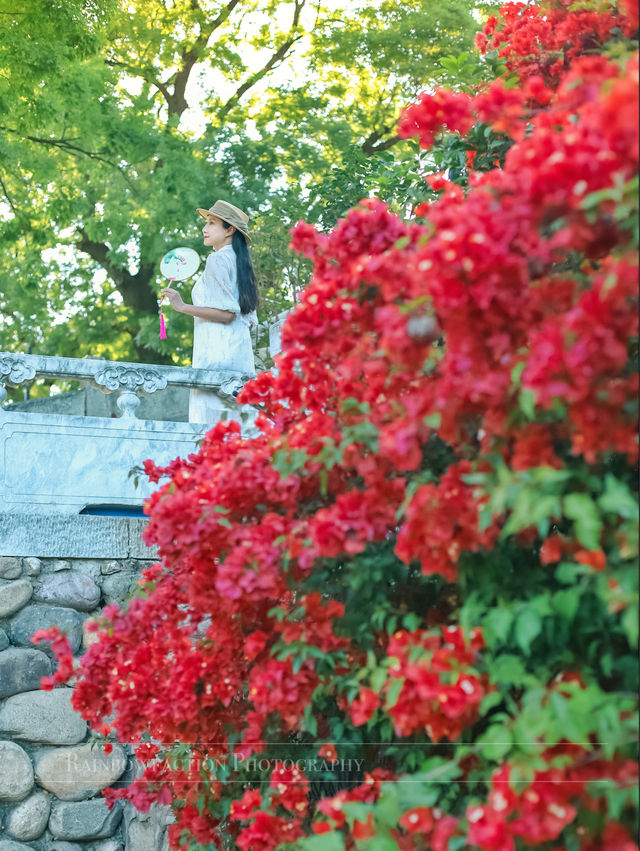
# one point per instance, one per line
(130, 380)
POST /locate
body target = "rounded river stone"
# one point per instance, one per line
(33, 618)
(84, 820)
(14, 596)
(10, 567)
(16, 777)
(10, 845)
(29, 819)
(76, 773)
(21, 670)
(45, 717)
(70, 588)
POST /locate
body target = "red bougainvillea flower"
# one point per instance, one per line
(417, 820)
(291, 787)
(362, 708)
(61, 648)
(243, 809)
(328, 752)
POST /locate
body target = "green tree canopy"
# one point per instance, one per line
(118, 119)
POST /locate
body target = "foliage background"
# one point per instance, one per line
(119, 119)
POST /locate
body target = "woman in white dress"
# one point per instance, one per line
(224, 298)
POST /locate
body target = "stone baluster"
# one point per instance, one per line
(132, 383)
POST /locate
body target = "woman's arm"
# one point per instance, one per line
(211, 314)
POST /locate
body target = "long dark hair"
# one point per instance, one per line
(247, 289)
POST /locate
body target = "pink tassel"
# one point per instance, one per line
(163, 329)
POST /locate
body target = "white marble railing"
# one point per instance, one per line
(61, 463)
(52, 463)
(129, 380)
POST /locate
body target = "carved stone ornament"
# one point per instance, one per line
(14, 370)
(230, 388)
(141, 381)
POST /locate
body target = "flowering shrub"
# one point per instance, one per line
(423, 564)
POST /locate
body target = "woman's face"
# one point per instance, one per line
(215, 235)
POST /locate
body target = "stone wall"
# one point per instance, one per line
(50, 777)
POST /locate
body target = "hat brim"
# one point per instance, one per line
(207, 213)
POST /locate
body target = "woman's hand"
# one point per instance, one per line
(174, 298)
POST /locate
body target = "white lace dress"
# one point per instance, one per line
(217, 346)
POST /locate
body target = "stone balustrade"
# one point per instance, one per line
(129, 380)
(53, 463)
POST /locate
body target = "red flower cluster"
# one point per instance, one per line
(442, 523)
(540, 812)
(366, 793)
(266, 830)
(291, 789)
(434, 112)
(61, 648)
(538, 40)
(422, 359)
(440, 690)
(316, 627)
(273, 688)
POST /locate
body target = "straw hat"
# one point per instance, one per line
(228, 213)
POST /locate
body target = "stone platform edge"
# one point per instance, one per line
(65, 536)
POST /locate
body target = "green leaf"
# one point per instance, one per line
(433, 420)
(588, 523)
(517, 370)
(527, 402)
(288, 461)
(356, 811)
(508, 670)
(569, 572)
(566, 603)
(630, 625)
(618, 499)
(325, 842)
(528, 627)
(411, 621)
(496, 742)
(309, 721)
(497, 626)
(489, 701)
(437, 769)
(378, 679)
(381, 843)
(388, 809)
(541, 604)
(393, 692)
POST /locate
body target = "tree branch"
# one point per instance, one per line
(73, 150)
(173, 90)
(145, 73)
(275, 59)
(373, 144)
(135, 289)
(8, 197)
(177, 102)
